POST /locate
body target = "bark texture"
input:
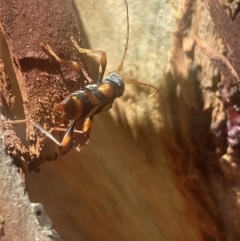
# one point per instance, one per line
(31, 82)
(19, 218)
(42, 82)
(153, 170)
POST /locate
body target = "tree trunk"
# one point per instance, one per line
(153, 170)
(36, 82)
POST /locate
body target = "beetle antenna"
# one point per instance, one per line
(127, 38)
(124, 55)
(143, 84)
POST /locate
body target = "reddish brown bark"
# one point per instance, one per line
(42, 82)
(147, 176)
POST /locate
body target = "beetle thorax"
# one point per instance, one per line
(115, 79)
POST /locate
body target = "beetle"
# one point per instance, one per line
(90, 99)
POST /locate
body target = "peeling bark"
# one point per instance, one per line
(42, 82)
(154, 169)
(19, 218)
(25, 67)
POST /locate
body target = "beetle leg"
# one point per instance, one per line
(76, 66)
(87, 124)
(94, 53)
(67, 137)
(48, 134)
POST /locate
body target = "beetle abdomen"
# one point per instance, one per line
(87, 102)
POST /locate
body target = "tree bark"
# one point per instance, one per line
(153, 170)
(36, 82)
(41, 80)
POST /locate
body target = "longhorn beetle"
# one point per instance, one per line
(90, 100)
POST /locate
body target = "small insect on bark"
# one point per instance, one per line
(92, 98)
